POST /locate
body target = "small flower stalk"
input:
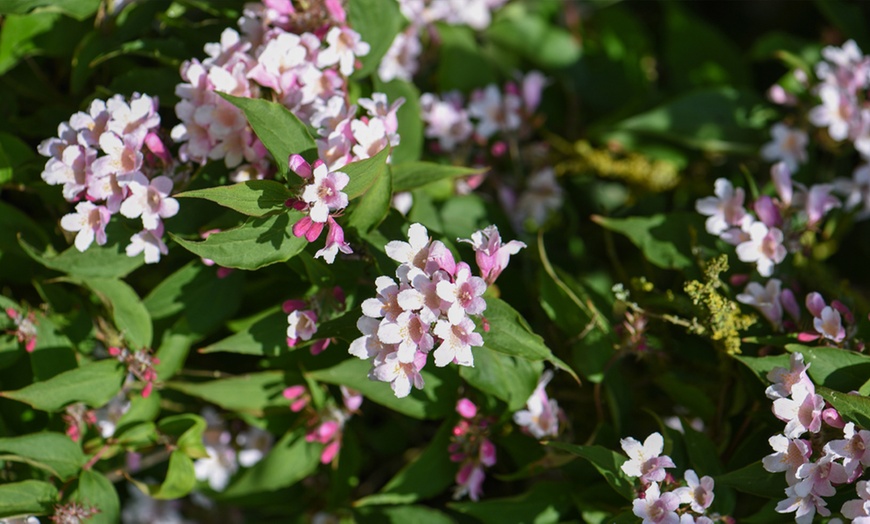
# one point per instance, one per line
(472, 449)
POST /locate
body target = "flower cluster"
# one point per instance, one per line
(488, 113)
(541, 416)
(401, 60)
(73, 513)
(773, 302)
(472, 449)
(140, 364)
(25, 328)
(432, 304)
(325, 426)
(814, 465)
(302, 318)
(111, 159)
(224, 458)
(775, 229)
(682, 504)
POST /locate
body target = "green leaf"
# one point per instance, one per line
(851, 407)
(711, 59)
(250, 393)
(664, 239)
(180, 479)
(848, 17)
(109, 261)
(761, 366)
(289, 461)
(435, 401)
(374, 205)
(18, 35)
(607, 462)
(533, 38)
(511, 379)
(545, 502)
(26, 498)
(401, 515)
(755, 480)
(187, 430)
(423, 477)
(462, 64)
(94, 383)
(195, 290)
(130, 315)
(13, 152)
(281, 131)
(834, 368)
(408, 116)
(267, 336)
(254, 198)
(53, 452)
(720, 120)
(78, 9)
(364, 173)
(255, 244)
(377, 22)
(95, 490)
(511, 335)
(411, 175)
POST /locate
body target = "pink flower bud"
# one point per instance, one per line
(298, 165)
(782, 182)
(299, 404)
(815, 303)
(789, 303)
(329, 452)
(487, 453)
(807, 337)
(336, 11)
(767, 212)
(466, 408)
(290, 306)
(294, 392)
(739, 279)
(320, 345)
(308, 228)
(156, 146)
(498, 149)
(845, 311)
(832, 418)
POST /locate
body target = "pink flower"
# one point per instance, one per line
(401, 375)
(25, 328)
(657, 507)
(457, 341)
(817, 477)
(307, 228)
(334, 242)
(150, 200)
(789, 455)
(298, 397)
(491, 254)
(151, 242)
(494, 111)
(466, 408)
(410, 333)
(802, 412)
(859, 509)
(725, 209)
(90, 221)
(541, 416)
(804, 505)
(469, 480)
(415, 252)
(764, 247)
(784, 379)
(646, 460)
(301, 324)
(345, 45)
(697, 493)
(324, 194)
(789, 145)
(463, 294)
(853, 448)
(765, 299)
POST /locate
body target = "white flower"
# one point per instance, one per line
(150, 200)
(541, 416)
(90, 221)
(325, 193)
(788, 145)
(457, 342)
(149, 241)
(764, 247)
(345, 45)
(725, 209)
(646, 460)
(765, 299)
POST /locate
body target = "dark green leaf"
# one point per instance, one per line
(254, 198)
(256, 243)
(434, 401)
(19, 32)
(26, 498)
(290, 460)
(267, 336)
(720, 120)
(109, 261)
(79, 9)
(377, 22)
(250, 393)
(511, 379)
(54, 452)
(187, 430)
(534, 38)
(94, 384)
(13, 152)
(755, 480)
(545, 502)
(411, 175)
(852, 407)
(93, 489)
(401, 515)
(374, 205)
(664, 239)
(281, 131)
(364, 173)
(834, 368)
(607, 462)
(408, 116)
(130, 315)
(180, 479)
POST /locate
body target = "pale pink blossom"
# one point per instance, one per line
(123, 157)
(72, 170)
(819, 201)
(401, 375)
(133, 119)
(334, 242)
(301, 325)
(325, 193)
(646, 460)
(457, 341)
(90, 221)
(820, 476)
(853, 448)
(781, 176)
(764, 247)
(463, 294)
(495, 112)
(345, 45)
(765, 299)
(829, 325)
(401, 60)
(25, 328)
(789, 145)
(386, 303)
(150, 242)
(410, 334)
(788, 456)
(657, 507)
(859, 509)
(725, 210)
(838, 111)
(491, 254)
(784, 379)
(541, 416)
(415, 252)
(802, 412)
(149, 200)
(698, 493)
(803, 506)
(542, 195)
(371, 137)
(446, 120)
